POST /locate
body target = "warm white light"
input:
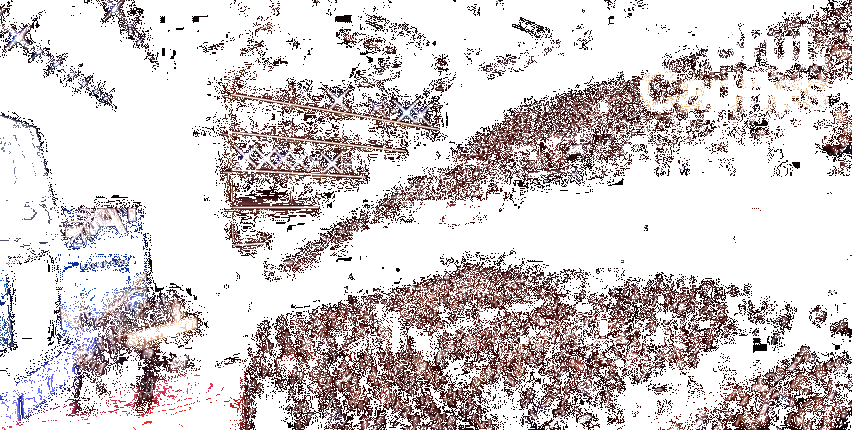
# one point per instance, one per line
(148, 335)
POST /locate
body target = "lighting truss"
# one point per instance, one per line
(114, 9)
(337, 112)
(337, 98)
(276, 158)
(305, 93)
(330, 162)
(85, 82)
(313, 163)
(415, 115)
(271, 208)
(105, 98)
(19, 39)
(348, 164)
(291, 162)
(321, 142)
(298, 173)
(256, 157)
(54, 63)
(377, 108)
(38, 53)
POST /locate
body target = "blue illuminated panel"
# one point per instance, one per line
(5, 317)
(105, 253)
(34, 391)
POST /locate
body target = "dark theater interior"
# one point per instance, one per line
(460, 214)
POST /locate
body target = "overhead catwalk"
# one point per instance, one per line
(274, 160)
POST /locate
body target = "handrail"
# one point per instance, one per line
(297, 173)
(320, 142)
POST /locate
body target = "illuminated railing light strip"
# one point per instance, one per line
(320, 142)
(249, 244)
(293, 173)
(337, 112)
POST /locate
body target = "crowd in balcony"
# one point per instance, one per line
(546, 135)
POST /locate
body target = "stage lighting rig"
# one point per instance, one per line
(19, 38)
(39, 52)
(415, 115)
(85, 82)
(294, 160)
(105, 99)
(54, 63)
(275, 159)
(113, 9)
(329, 163)
(126, 25)
(378, 108)
(337, 98)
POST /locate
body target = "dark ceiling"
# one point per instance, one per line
(157, 111)
(156, 142)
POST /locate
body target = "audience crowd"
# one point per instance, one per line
(343, 366)
(359, 365)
